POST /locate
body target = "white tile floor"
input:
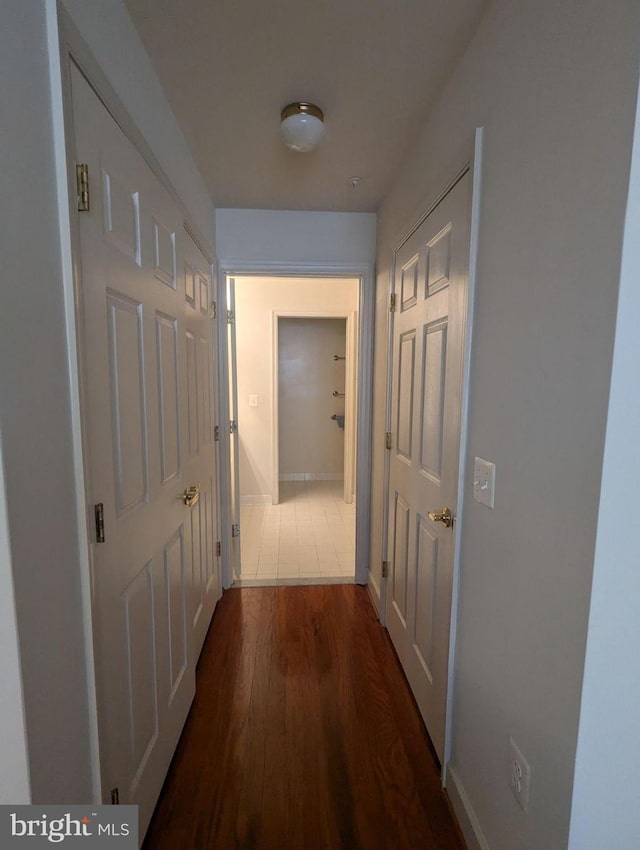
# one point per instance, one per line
(308, 538)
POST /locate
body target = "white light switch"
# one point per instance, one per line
(253, 401)
(484, 482)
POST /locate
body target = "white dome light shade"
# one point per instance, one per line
(302, 126)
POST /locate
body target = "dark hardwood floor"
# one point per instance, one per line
(303, 735)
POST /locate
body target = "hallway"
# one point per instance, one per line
(302, 734)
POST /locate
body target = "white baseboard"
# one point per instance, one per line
(312, 476)
(374, 593)
(256, 500)
(464, 813)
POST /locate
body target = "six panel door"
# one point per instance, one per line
(146, 360)
(430, 283)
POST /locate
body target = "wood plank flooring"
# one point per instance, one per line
(303, 735)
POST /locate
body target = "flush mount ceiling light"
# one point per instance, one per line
(302, 126)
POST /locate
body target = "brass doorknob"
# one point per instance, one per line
(191, 495)
(443, 515)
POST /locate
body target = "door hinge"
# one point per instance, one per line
(392, 303)
(385, 569)
(233, 427)
(213, 310)
(218, 549)
(235, 529)
(115, 797)
(387, 440)
(216, 433)
(82, 184)
(99, 515)
(230, 317)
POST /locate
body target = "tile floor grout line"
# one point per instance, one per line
(310, 535)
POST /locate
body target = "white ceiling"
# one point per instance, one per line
(373, 67)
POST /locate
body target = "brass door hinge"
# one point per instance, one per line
(385, 569)
(233, 427)
(82, 185)
(218, 549)
(235, 529)
(99, 515)
(216, 433)
(392, 303)
(387, 440)
(213, 310)
(230, 317)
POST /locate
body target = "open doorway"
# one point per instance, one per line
(296, 351)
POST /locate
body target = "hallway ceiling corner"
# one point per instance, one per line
(375, 66)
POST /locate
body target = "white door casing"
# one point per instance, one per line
(147, 420)
(364, 392)
(234, 440)
(350, 402)
(350, 407)
(430, 286)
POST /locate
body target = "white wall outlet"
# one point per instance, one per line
(484, 482)
(519, 776)
(253, 401)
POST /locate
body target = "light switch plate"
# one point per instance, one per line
(484, 482)
(253, 401)
(519, 776)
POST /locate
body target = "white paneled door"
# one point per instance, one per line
(200, 458)
(146, 362)
(430, 285)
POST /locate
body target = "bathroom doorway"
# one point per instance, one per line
(296, 358)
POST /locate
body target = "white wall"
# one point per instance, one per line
(35, 395)
(554, 85)
(310, 441)
(36, 422)
(256, 300)
(605, 794)
(282, 236)
(14, 764)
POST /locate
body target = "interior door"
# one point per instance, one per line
(200, 459)
(146, 407)
(234, 447)
(430, 285)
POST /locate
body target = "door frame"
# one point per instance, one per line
(366, 306)
(473, 164)
(231, 399)
(67, 46)
(350, 424)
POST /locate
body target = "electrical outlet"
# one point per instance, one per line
(519, 776)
